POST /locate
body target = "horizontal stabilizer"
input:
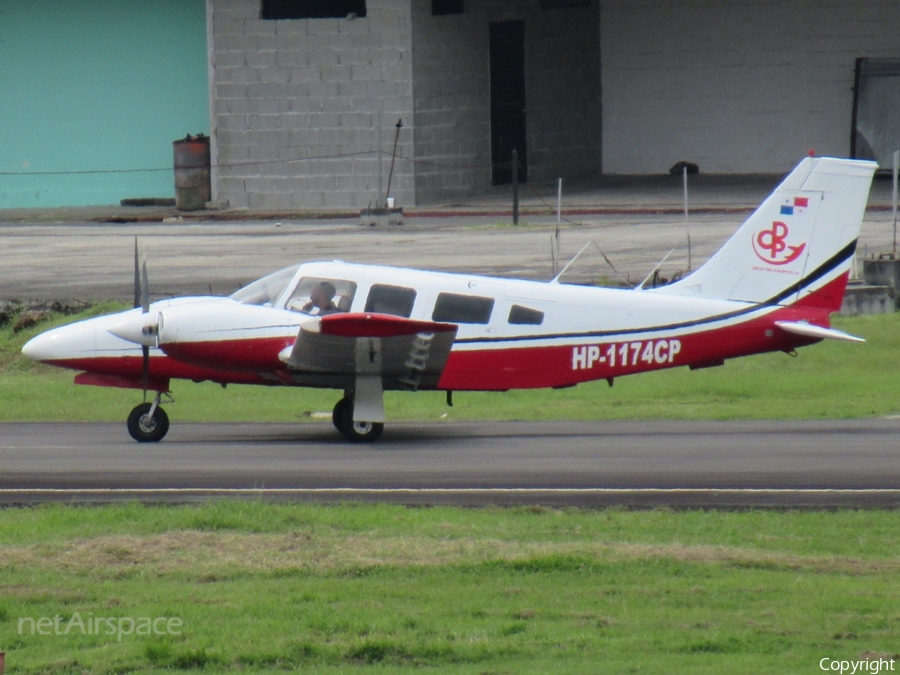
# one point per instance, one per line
(810, 330)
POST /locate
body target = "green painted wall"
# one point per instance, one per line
(89, 85)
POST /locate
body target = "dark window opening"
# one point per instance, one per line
(556, 4)
(312, 9)
(441, 7)
(525, 316)
(393, 300)
(875, 124)
(508, 109)
(453, 308)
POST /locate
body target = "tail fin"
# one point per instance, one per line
(797, 247)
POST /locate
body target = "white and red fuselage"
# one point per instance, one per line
(772, 286)
(586, 333)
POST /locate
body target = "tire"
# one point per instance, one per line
(337, 415)
(359, 432)
(148, 430)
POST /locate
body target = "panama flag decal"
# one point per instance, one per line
(798, 203)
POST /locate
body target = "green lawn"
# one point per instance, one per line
(352, 589)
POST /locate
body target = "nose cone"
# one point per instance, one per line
(61, 344)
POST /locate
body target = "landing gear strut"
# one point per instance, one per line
(148, 422)
(358, 432)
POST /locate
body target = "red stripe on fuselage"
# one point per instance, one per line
(560, 366)
(162, 368)
(253, 354)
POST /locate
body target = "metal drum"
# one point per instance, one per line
(192, 183)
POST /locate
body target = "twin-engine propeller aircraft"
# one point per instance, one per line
(366, 329)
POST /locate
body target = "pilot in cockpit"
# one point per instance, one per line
(321, 300)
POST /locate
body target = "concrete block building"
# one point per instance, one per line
(302, 98)
(302, 106)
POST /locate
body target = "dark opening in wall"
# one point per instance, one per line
(440, 7)
(312, 9)
(556, 4)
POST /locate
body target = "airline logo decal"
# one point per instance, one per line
(774, 245)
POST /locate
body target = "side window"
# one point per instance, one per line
(525, 316)
(318, 296)
(394, 300)
(453, 308)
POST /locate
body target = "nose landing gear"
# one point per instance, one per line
(148, 422)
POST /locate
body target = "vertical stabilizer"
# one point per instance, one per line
(797, 246)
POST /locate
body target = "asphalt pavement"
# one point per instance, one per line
(813, 463)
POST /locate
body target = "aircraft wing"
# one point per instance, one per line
(338, 348)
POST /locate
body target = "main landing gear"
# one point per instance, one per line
(148, 422)
(358, 432)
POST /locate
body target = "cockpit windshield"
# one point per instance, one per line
(265, 291)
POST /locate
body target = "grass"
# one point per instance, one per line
(828, 380)
(335, 589)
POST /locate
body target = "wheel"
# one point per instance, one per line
(145, 429)
(337, 415)
(359, 432)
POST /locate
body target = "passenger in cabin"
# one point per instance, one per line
(321, 300)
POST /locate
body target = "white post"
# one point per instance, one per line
(558, 219)
(687, 226)
(378, 203)
(896, 165)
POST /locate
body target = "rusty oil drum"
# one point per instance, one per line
(192, 182)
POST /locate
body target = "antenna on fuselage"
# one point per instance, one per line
(640, 286)
(555, 280)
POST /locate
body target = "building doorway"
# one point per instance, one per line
(508, 130)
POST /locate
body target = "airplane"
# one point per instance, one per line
(365, 329)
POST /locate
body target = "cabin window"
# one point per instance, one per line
(394, 300)
(318, 296)
(453, 308)
(312, 9)
(266, 291)
(525, 316)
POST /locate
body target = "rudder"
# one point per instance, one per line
(797, 247)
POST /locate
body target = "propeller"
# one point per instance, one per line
(138, 295)
(142, 300)
(143, 329)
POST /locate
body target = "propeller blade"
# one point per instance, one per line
(137, 276)
(145, 288)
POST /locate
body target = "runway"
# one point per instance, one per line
(787, 464)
